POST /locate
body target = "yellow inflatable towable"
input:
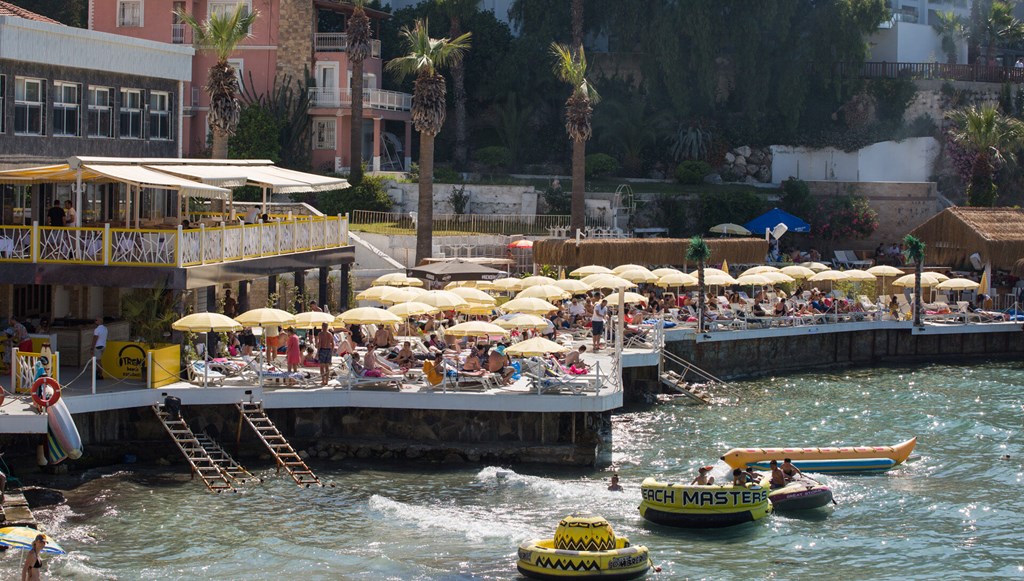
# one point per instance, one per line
(584, 546)
(703, 506)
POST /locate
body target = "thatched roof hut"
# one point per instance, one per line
(953, 235)
(660, 251)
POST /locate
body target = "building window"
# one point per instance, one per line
(101, 112)
(66, 108)
(29, 105)
(131, 114)
(3, 103)
(129, 13)
(228, 7)
(159, 115)
(323, 134)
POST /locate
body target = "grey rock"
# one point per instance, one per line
(337, 456)
(764, 175)
(713, 179)
(363, 453)
(413, 453)
(303, 454)
(743, 150)
(453, 458)
(740, 160)
(751, 180)
(323, 454)
(730, 158)
(752, 169)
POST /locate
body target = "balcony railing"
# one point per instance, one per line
(930, 71)
(170, 247)
(372, 98)
(180, 33)
(338, 42)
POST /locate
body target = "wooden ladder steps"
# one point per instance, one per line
(675, 382)
(202, 464)
(228, 465)
(285, 456)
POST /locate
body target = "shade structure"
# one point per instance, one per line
(625, 267)
(714, 279)
(22, 538)
(374, 293)
(442, 299)
(729, 228)
(206, 323)
(815, 266)
(678, 279)
(484, 285)
(608, 281)
(454, 270)
(590, 269)
(476, 329)
(777, 277)
(313, 319)
(576, 287)
(538, 346)
(708, 270)
(772, 218)
(529, 306)
(858, 275)
(628, 298)
(535, 280)
(473, 296)
(508, 284)
(548, 292)
(399, 295)
(521, 321)
(927, 279)
(475, 309)
(638, 275)
(759, 270)
(266, 318)
(958, 284)
(521, 243)
(412, 309)
(796, 271)
(885, 270)
(397, 279)
(828, 275)
(367, 316)
(660, 272)
(752, 280)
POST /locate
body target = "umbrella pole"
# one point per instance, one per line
(206, 357)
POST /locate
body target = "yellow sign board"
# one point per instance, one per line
(128, 360)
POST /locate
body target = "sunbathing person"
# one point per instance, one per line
(405, 357)
(374, 367)
(384, 337)
(436, 369)
(789, 470)
(472, 362)
(498, 362)
(574, 359)
(778, 479)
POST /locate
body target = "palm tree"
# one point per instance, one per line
(458, 11)
(993, 138)
(950, 27)
(699, 252)
(359, 37)
(999, 26)
(424, 59)
(571, 67)
(221, 34)
(915, 252)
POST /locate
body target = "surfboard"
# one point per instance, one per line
(62, 436)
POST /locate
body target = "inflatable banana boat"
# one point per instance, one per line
(802, 493)
(703, 506)
(825, 460)
(584, 547)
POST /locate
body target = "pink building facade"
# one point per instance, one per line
(289, 38)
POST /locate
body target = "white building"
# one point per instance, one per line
(908, 37)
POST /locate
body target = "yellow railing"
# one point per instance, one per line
(170, 247)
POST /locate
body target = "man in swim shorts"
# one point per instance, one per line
(325, 350)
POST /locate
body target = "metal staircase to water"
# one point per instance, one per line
(231, 468)
(285, 456)
(701, 389)
(207, 468)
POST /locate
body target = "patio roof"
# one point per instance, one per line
(148, 178)
(278, 180)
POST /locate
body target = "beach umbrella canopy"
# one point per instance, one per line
(473, 296)
(815, 266)
(508, 284)
(521, 321)
(638, 275)
(660, 272)
(752, 280)
(266, 318)
(715, 279)
(521, 243)
(484, 285)
(625, 267)
(401, 295)
(709, 271)
(590, 269)
(829, 275)
(627, 298)
(677, 279)
(576, 287)
(538, 346)
(729, 228)
(777, 277)
(312, 319)
(374, 293)
(885, 270)
(22, 538)
(442, 299)
(772, 218)
(608, 281)
(759, 270)
(367, 316)
(958, 284)
(454, 270)
(796, 271)
(412, 309)
(535, 280)
(475, 309)
(530, 306)
(927, 279)
(859, 275)
(206, 322)
(396, 279)
(548, 292)
(476, 329)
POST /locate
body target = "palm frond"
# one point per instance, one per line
(915, 248)
(425, 54)
(698, 250)
(220, 33)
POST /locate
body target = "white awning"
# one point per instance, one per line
(230, 176)
(283, 181)
(148, 178)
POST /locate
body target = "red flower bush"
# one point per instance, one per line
(844, 218)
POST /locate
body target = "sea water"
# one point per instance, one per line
(953, 511)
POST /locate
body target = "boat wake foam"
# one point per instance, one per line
(475, 523)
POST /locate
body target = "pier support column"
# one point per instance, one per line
(343, 288)
(243, 296)
(325, 272)
(300, 291)
(272, 290)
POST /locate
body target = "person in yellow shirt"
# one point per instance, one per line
(435, 370)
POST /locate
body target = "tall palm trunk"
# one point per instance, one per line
(578, 217)
(356, 135)
(576, 13)
(918, 269)
(700, 297)
(461, 153)
(425, 216)
(219, 147)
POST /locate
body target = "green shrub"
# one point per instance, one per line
(692, 172)
(558, 200)
(371, 195)
(494, 156)
(446, 175)
(796, 198)
(600, 164)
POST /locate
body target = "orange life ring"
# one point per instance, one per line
(39, 390)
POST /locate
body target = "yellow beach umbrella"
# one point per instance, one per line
(660, 272)
(710, 270)
(608, 281)
(473, 296)
(538, 346)
(638, 275)
(508, 284)
(396, 279)
(828, 275)
(476, 329)
(815, 266)
(444, 300)
(374, 293)
(529, 305)
(536, 280)
(206, 323)
(576, 287)
(858, 275)
(590, 269)
(628, 298)
(484, 285)
(400, 295)
(367, 316)
(412, 309)
(717, 279)
(313, 319)
(927, 279)
(777, 277)
(521, 321)
(796, 271)
(885, 270)
(266, 318)
(677, 279)
(548, 292)
(475, 309)
(752, 280)
(759, 270)
(625, 267)
(958, 284)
